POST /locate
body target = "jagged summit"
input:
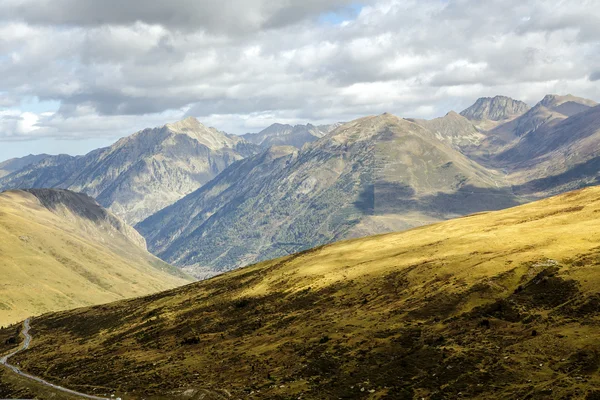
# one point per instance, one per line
(567, 105)
(208, 136)
(188, 123)
(496, 108)
(556, 100)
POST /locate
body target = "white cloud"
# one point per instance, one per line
(244, 64)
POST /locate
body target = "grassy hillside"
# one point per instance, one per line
(501, 305)
(69, 253)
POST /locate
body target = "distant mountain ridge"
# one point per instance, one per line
(15, 164)
(551, 148)
(142, 173)
(373, 175)
(209, 201)
(454, 130)
(288, 135)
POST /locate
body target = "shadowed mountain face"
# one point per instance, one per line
(551, 110)
(9, 166)
(552, 148)
(501, 305)
(373, 175)
(142, 173)
(288, 135)
(61, 250)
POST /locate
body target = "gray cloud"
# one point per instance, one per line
(244, 64)
(232, 16)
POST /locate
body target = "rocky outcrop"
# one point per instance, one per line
(497, 108)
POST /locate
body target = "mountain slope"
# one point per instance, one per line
(551, 110)
(556, 157)
(454, 130)
(501, 305)
(498, 108)
(61, 250)
(288, 135)
(142, 173)
(373, 175)
(9, 166)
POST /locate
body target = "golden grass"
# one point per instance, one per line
(49, 263)
(500, 305)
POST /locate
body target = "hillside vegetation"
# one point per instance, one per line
(500, 305)
(60, 250)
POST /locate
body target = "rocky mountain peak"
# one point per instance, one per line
(496, 108)
(554, 100)
(186, 124)
(210, 137)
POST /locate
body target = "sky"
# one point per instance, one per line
(79, 74)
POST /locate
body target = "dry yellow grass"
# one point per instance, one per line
(501, 305)
(469, 249)
(49, 262)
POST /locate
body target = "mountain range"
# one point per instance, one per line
(209, 202)
(61, 250)
(15, 164)
(373, 175)
(142, 173)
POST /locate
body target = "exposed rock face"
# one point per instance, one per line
(288, 135)
(497, 108)
(9, 166)
(142, 173)
(372, 175)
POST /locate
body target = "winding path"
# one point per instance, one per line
(25, 346)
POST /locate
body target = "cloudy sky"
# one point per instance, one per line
(77, 74)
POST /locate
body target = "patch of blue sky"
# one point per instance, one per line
(342, 14)
(37, 106)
